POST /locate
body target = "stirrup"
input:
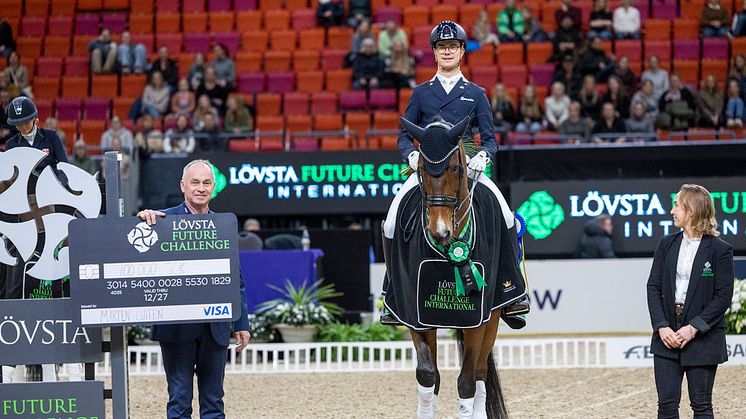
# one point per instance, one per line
(388, 319)
(520, 307)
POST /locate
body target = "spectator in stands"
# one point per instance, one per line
(367, 70)
(359, 10)
(608, 124)
(639, 120)
(7, 44)
(51, 124)
(204, 106)
(183, 101)
(534, 31)
(237, 116)
(594, 61)
(567, 10)
(7, 85)
(530, 116)
(167, 67)
(145, 125)
(116, 129)
(676, 107)
(224, 66)
(6, 130)
(590, 99)
(734, 107)
(625, 74)
(617, 94)
(103, 53)
(738, 70)
(557, 106)
(390, 33)
(330, 13)
(210, 138)
(567, 40)
(197, 71)
(399, 68)
(131, 57)
(361, 33)
(18, 74)
(179, 139)
(155, 96)
(568, 74)
(657, 75)
(575, 128)
(596, 239)
(510, 25)
(626, 21)
(738, 28)
(646, 96)
(210, 87)
(80, 157)
(482, 31)
(714, 21)
(600, 21)
(126, 163)
(503, 113)
(710, 103)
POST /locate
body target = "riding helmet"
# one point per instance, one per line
(447, 30)
(21, 110)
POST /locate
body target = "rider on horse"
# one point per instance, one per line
(449, 97)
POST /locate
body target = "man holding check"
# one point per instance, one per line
(196, 347)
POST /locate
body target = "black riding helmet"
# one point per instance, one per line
(447, 30)
(21, 110)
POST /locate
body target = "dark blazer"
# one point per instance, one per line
(45, 140)
(429, 100)
(221, 331)
(708, 297)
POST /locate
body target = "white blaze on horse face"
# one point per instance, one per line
(442, 228)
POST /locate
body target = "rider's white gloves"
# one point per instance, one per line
(414, 159)
(478, 163)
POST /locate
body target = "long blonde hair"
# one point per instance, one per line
(696, 200)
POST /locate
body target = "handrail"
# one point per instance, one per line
(704, 134)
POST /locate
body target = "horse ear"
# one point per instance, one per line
(413, 130)
(458, 131)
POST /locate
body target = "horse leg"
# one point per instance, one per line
(481, 373)
(427, 373)
(472, 345)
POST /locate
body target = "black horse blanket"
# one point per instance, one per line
(420, 289)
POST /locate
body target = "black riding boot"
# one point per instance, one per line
(514, 315)
(386, 317)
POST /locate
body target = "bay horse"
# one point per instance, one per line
(447, 219)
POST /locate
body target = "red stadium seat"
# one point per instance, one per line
(339, 38)
(310, 81)
(513, 75)
(281, 82)
(276, 61)
(49, 66)
(323, 103)
(296, 103)
(312, 39)
(68, 109)
(60, 26)
(333, 59)
(105, 86)
(268, 103)
(382, 99)
(277, 20)
(251, 82)
(339, 80)
(194, 22)
(96, 108)
(304, 60)
(303, 19)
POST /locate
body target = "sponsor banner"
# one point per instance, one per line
(43, 332)
(306, 183)
(183, 269)
(81, 400)
(635, 351)
(556, 212)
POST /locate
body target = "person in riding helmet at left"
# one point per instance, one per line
(450, 97)
(22, 114)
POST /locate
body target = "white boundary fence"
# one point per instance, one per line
(544, 353)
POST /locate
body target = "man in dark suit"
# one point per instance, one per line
(689, 289)
(196, 347)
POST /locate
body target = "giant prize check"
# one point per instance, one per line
(184, 269)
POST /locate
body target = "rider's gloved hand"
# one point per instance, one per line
(479, 162)
(414, 159)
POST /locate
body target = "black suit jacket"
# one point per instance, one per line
(708, 297)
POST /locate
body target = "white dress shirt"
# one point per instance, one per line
(684, 263)
(626, 20)
(449, 83)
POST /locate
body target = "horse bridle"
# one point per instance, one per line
(439, 200)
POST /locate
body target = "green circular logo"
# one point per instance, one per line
(458, 252)
(542, 214)
(220, 181)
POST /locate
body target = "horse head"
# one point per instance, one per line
(442, 176)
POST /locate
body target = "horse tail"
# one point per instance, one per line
(495, 401)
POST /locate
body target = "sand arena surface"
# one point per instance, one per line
(561, 393)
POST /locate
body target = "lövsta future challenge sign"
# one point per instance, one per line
(306, 183)
(555, 212)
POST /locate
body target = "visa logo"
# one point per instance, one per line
(217, 310)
